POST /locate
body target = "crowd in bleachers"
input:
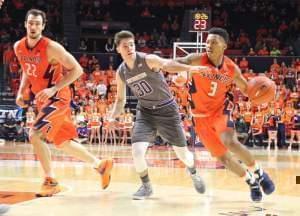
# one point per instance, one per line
(260, 28)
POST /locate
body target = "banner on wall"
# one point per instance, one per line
(8, 110)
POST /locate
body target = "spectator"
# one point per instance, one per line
(83, 61)
(275, 52)
(64, 42)
(10, 127)
(109, 46)
(244, 64)
(251, 52)
(101, 89)
(8, 55)
(83, 46)
(290, 51)
(263, 52)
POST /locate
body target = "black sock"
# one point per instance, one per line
(192, 170)
(145, 179)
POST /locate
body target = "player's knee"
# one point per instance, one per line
(139, 149)
(224, 159)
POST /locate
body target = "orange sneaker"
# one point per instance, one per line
(49, 188)
(104, 169)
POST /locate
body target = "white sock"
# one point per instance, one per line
(250, 176)
(96, 163)
(49, 174)
(256, 167)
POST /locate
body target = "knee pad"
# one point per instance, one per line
(139, 150)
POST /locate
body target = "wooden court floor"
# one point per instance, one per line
(174, 195)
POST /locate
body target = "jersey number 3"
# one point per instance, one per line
(213, 89)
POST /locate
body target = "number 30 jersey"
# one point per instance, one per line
(148, 86)
(40, 72)
(208, 89)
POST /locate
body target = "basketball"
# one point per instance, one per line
(261, 90)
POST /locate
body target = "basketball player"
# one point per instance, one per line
(3, 208)
(157, 111)
(212, 123)
(42, 61)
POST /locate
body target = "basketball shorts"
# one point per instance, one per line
(164, 121)
(209, 130)
(54, 121)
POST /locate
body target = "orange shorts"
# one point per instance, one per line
(54, 121)
(209, 129)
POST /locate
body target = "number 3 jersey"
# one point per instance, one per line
(148, 86)
(208, 89)
(40, 72)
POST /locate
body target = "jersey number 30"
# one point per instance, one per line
(213, 89)
(142, 88)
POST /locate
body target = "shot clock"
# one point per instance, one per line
(200, 21)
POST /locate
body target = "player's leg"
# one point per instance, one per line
(44, 128)
(169, 127)
(63, 140)
(142, 135)
(42, 151)
(229, 138)
(212, 142)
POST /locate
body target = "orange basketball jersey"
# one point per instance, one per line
(208, 89)
(41, 73)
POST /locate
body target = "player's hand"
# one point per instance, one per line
(1, 3)
(20, 100)
(45, 94)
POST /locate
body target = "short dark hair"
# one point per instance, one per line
(122, 35)
(36, 12)
(221, 32)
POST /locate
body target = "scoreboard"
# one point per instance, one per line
(200, 21)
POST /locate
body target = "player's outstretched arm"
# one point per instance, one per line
(240, 80)
(172, 66)
(119, 104)
(190, 59)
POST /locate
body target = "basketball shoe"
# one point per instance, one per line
(143, 192)
(198, 183)
(49, 188)
(265, 182)
(255, 191)
(104, 169)
(3, 208)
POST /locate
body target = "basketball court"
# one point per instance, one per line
(174, 194)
